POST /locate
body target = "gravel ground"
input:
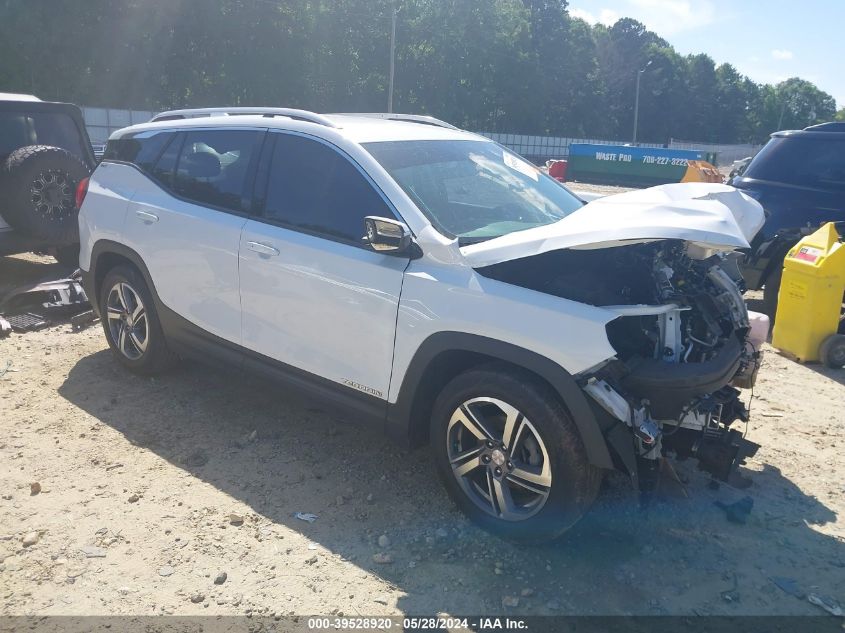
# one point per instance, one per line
(177, 495)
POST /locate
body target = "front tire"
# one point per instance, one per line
(131, 324)
(510, 456)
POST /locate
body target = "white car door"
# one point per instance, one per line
(314, 296)
(186, 221)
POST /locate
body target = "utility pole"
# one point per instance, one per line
(637, 101)
(392, 59)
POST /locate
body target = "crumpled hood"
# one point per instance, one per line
(709, 215)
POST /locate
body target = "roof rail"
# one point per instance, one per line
(408, 118)
(830, 126)
(192, 113)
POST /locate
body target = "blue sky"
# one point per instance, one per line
(767, 40)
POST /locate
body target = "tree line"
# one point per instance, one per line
(518, 66)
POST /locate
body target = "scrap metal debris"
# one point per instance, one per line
(305, 516)
(26, 308)
(82, 320)
(27, 322)
(825, 603)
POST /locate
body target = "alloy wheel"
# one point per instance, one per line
(52, 194)
(499, 459)
(127, 321)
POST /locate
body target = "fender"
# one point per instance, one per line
(402, 419)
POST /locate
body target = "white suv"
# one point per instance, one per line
(432, 281)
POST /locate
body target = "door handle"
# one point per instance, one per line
(146, 216)
(263, 249)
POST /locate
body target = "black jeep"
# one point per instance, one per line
(44, 154)
(799, 178)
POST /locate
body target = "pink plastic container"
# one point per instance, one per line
(759, 328)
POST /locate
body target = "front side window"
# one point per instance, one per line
(214, 165)
(314, 188)
(473, 190)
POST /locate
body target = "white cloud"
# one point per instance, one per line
(780, 53)
(667, 17)
(605, 16)
(664, 17)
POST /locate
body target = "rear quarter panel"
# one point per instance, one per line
(103, 212)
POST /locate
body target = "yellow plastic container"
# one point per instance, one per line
(702, 171)
(810, 297)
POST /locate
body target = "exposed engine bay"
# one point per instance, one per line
(682, 342)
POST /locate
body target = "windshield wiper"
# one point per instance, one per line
(467, 241)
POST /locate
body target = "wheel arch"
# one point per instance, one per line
(444, 355)
(105, 255)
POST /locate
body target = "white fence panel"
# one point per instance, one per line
(102, 122)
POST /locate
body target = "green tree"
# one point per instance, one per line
(522, 66)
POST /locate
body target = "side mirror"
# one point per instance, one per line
(387, 236)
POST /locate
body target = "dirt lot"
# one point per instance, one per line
(150, 488)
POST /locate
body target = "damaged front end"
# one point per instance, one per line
(683, 348)
(681, 360)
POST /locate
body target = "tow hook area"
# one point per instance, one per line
(647, 434)
(703, 433)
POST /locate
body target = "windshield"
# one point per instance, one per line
(474, 190)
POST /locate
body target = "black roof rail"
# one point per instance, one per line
(830, 126)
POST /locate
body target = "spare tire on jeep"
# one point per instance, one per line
(37, 193)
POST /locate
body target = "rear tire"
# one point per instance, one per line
(832, 351)
(38, 193)
(547, 454)
(131, 324)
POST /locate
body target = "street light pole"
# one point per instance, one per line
(637, 100)
(392, 60)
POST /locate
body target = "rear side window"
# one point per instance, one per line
(18, 129)
(807, 162)
(314, 188)
(213, 167)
